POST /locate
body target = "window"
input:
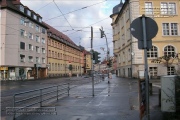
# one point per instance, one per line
(148, 8)
(30, 47)
(43, 30)
(129, 54)
(37, 60)
(165, 28)
(43, 40)
(35, 17)
(43, 60)
(30, 58)
(171, 70)
(170, 29)
(22, 45)
(55, 66)
(22, 58)
(168, 8)
(30, 36)
(153, 72)
(22, 21)
(28, 12)
(37, 39)
(37, 28)
(52, 67)
(22, 32)
(49, 66)
(169, 51)
(21, 8)
(37, 49)
(174, 29)
(49, 53)
(31, 24)
(153, 52)
(43, 50)
(53, 54)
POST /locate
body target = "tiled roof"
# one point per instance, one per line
(58, 33)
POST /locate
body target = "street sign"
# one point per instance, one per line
(38, 65)
(137, 28)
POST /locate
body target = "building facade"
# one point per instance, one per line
(23, 42)
(87, 62)
(62, 53)
(166, 44)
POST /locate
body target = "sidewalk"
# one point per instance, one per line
(115, 101)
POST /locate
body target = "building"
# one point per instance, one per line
(62, 53)
(23, 42)
(166, 44)
(87, 62)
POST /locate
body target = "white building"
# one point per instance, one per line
(23, 42)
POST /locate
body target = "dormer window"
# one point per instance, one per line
(21, 8)
(28, 12)
(35, 17)
(40, 19)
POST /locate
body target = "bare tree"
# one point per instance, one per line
(168, 60)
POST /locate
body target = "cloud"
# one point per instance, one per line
(86, 13)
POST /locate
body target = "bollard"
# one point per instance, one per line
(57, 93)
(159, 97)
(40, 97)
(150, 88)
(68, 89)
(14, 115)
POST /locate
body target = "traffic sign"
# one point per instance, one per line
(151, 29)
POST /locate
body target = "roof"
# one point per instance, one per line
(58, 33)
(13, 5)
(117, 8)
(121, 11)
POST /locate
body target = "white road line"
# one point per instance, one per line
(157, 86)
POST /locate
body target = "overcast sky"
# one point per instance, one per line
(75, 18)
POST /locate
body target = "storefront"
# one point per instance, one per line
(4, 73)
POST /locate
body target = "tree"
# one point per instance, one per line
(168, 60)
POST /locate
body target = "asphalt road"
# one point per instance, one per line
(9, 88)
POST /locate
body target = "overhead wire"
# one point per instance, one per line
(63, 15)
(44, 6)
(75, 10)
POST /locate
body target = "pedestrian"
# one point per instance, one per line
(110, 75)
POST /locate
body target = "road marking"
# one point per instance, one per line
(157, 86)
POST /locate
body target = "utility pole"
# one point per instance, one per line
(92, 67)
(104, 35)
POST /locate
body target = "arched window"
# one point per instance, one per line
(153, 52)
(169, 51)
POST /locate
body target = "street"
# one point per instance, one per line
(9, 88)
(117, 100)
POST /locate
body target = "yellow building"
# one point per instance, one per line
(130, 60)
(62, 53)
(87, 61)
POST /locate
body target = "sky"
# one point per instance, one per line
(74, 18)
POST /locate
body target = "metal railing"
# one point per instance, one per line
(38, 96)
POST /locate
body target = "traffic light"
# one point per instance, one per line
(96, 57)
(109, 63)
(102, 33)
